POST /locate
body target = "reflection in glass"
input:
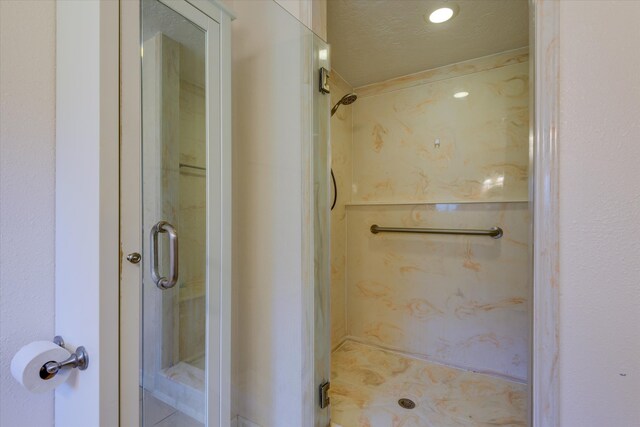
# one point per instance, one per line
(174, 190)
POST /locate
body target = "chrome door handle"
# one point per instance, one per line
(163, 282)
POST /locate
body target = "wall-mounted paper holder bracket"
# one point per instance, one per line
(79, 359)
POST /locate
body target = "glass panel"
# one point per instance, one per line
(275, 193)
(321, 227)
(174, 191)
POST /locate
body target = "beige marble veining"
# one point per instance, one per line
(459, 300)
(367, 383)
(341, 164)
(422, 144)
(448, 71)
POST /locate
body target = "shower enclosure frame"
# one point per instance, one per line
(89, 123)
(544, 205)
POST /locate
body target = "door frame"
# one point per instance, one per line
(86, 208)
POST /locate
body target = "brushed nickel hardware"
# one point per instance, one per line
(134, 257)
(78, 359)
(324, 80)
(324, 394)
(59, 341)
(495, 232)
(184, 165)
(160, 281)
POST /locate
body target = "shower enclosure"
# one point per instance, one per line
(185, 374)
(430, 253)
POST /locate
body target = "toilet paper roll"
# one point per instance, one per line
(26, 364)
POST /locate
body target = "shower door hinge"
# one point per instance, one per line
(324, 394)
(324, 80)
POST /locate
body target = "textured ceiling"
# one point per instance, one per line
(376, 40)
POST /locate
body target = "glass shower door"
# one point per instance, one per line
(179, 133)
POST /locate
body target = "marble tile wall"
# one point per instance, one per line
(422, 158)
(459, 300)
(341, 138)
(421, 144)
(464, 68)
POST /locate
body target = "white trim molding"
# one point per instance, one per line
(544, 193)
(130, 208)
(87, 229)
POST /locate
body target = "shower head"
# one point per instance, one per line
(348, 99)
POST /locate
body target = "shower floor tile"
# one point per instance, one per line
(179, 419)
(158, 414)
(367, 382)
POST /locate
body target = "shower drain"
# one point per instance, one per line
(406, 403)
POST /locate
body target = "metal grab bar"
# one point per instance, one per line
(163, 282)
(495, 232)
(184, 165)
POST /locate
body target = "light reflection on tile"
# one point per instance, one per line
(367, 383)
(421, 144)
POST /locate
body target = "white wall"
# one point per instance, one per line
(599, 140)
(312, 13)
(27, 117)
(270, 129)
(87, 234)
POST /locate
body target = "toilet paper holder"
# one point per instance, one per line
(79, 359)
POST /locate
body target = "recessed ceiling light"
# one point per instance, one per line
(461, 94)
(441, 15)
